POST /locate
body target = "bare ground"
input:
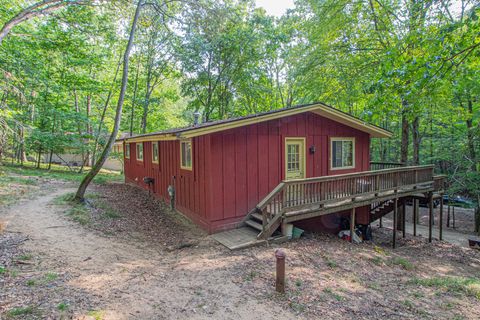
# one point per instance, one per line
(148, 263)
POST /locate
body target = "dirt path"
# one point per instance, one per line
(133, 280)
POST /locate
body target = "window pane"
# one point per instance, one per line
(347, 153)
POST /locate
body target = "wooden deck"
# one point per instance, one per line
(294, 200)
(243, 237)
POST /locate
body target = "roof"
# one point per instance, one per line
(221, 125)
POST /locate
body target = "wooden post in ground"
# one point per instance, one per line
(430, 216)
(448, 214)
(395, 213)
(404, 218)
(352, 224)
(415, 214)
(441, 218)
(381, 223)
(453, 217)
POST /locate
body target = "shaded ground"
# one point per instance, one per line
(106, 261)
(464, 217)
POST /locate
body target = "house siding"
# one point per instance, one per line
(234, 169)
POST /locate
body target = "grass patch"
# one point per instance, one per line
(377, 261)
(333, 294)
(332, 264)
(404, 263)
(60, 172)
(30, 283)
(21, 311)
(62, 306)
(108, 212)
(79, 213)
(25, 257)
(3, 270)
(466, 286)
(50, 276)
(96, 314)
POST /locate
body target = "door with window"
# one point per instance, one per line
(294, 158)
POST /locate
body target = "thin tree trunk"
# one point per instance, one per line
(105, 107)
(98, 165)
(132, 115)
(416, 140)
(405, 133)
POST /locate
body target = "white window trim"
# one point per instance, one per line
(136, 151)
(129, 150)
(332, 139)
(191, 155)
(158, 152)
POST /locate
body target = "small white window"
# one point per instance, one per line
(127, 150)
(342, 153)
(186, 155)
(155, 152)
(140, 151)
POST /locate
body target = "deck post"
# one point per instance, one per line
(352, 224)
(404, 214)
(441, 218)
(415, 214)
(381, 222)
(430, 216)
(395, 213)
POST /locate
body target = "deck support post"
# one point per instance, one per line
(441, 218)
(430, 216)
(352, 224)
(404, 217)
(380, 224)
(395, 213)
(415, 214)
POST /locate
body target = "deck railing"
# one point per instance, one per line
(304, 193)
(380, 165)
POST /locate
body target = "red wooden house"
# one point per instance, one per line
(256, 169)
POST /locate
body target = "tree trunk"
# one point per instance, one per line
(32, 11)
(132, 115)
(405, 133)
(416, 140)
(79, 196)
(105, 107)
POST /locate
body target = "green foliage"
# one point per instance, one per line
(387, 62)
(468, 286)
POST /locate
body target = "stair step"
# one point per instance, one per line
(257, 216)
(254, 225)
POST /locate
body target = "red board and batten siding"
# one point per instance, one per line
(191, 185)
(234, 169)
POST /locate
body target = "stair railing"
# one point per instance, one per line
(317, 192)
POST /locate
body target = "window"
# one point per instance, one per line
(155, 152)
(186, 155)
(343, 153)
(140, 151)
(127, 150)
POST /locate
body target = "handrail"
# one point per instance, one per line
(379, 165)
(319, 191)
(358, 174)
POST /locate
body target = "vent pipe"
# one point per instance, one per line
(196, 117)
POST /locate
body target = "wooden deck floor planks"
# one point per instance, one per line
(238, 238)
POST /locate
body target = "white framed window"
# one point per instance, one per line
(155, 152)
(127, 150)
(186, 154)
(342, 153)
(140, 151)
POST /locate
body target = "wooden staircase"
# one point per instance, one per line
(381, 209)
